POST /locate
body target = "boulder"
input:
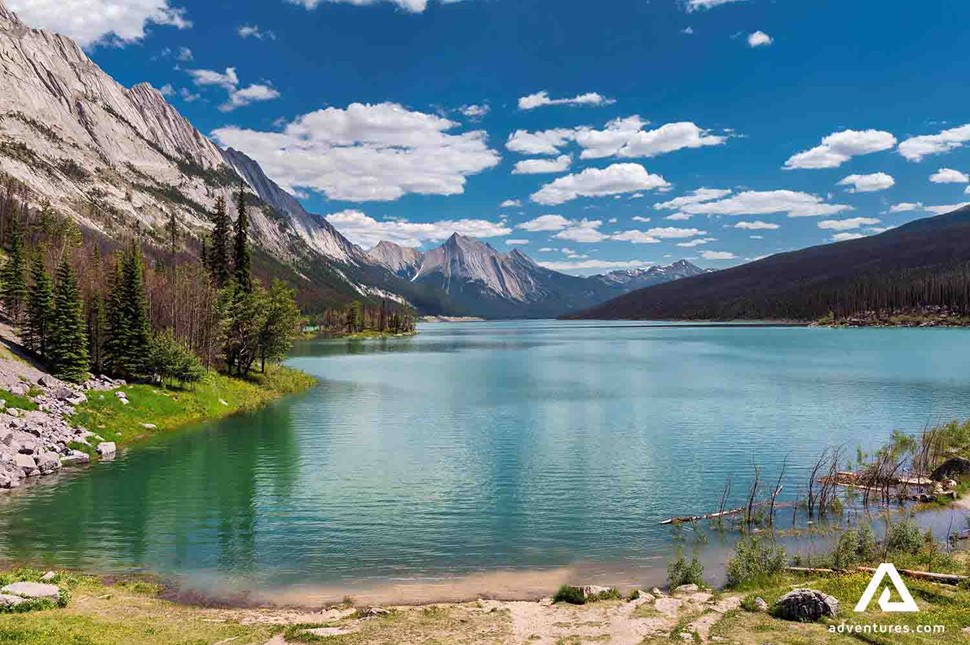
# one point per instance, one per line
(50, 576)
(47, 462)
(760, 604)
(806, 606)
(594, 592)
(7, 438)
(953, 468)
(19, 388)
(373, 612)
(69, 396)
(686, 589)
(7, 600)
(107, 449)
(32, 590)
(47, 381)
(26, 463)
(75, 458)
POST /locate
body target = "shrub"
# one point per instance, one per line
(681, 572)
(855, 546)
(570, 594)
(173, 361)
(904, 537)
(755, 559)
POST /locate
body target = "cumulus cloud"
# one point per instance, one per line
(949, 176)
(93, 22)
(510, 203)
(229, 81)
(916, 148)
(757, 225)
(695, 5)
(413, 6)
(906, 207)
(635, 237)
(545, 223)
(367, 153)
(718, 255)
(585, 266)
(868, 183)
(701, 241)
(792, 203)
(366, 231)
(517, 242)
(675, 233)
(845, 237)
(546, 142)
(759, 39)
(543, 166)
(596, 182)
(847, 224)
(943, 209)
(840, 147)
(254, 31)
(695, 197)
(583, 231)
(542, 99)
(475, 112)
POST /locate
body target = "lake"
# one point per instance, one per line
(476, 449)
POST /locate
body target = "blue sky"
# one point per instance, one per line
(804, 120)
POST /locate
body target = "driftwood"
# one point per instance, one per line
(809, 570)
(687, 519)
(942, 578)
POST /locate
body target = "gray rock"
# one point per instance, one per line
(593, 592)
(27, 448)
(760, 604)
(69, 396)
(75, 458)
(7, 600)
(953, 468)
(687, 589)
(806, 606)
(47, 462)
(26, 463)
(20, 388)
(7, 438)
(107, 449)
(32, 590)
(48, 577)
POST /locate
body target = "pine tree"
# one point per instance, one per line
(14, 284)
(128, 343)
(241, 259)
(218, 258)
(97, 330)
(67, 352)
(40, 306)
(172, 231)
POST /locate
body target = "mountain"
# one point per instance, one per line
(482, 281)
(925, 263)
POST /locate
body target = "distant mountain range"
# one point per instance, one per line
(923, 264)
(480, 280)
(119, 161)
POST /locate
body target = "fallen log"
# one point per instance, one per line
(687, 519)
(942, 578)
(813, 570)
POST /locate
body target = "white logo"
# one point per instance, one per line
(907, 604)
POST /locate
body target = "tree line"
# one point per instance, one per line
(82, 307)
(388, 317)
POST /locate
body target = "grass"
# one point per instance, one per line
(168, 409)
(16, 401)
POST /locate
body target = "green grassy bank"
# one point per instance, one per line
(152, 410)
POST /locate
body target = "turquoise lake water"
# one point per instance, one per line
(489, 446)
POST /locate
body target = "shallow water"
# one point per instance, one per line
(479, 448)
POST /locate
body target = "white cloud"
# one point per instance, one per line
(637, 218)
(542, 99)
(757, 226)
(517, 242)
(545, 223)
(847, 224)
(695, 5)
(364, 230)
(596, 182)
(184, 54)
(845, 237)
(510, 203)
(679, 217)
(718, 255)
(586, 266)
(254, 31)
(945, 208)
(367, 153)
(840, 147)
(546, 142)
(792, 203)
(696, 197)
(413, 6)
(868, 183)
(229, 81)
(167, 90)
(543, 166)
(906, 207)
(584, 231)
(759, 39)
(675, 233)
(475, 112)
(916, 148)
(949, 176)
(687, 30)
(635, 237)
(701, 241)
(93, 22)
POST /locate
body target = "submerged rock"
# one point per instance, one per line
(806, 606)
(107, 449)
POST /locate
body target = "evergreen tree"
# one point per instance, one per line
(172, 232)
(217, 256)
(14, 291)
(128, 343)
(67, 345)
(241, 259)
(40, 306)
(97, 330)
